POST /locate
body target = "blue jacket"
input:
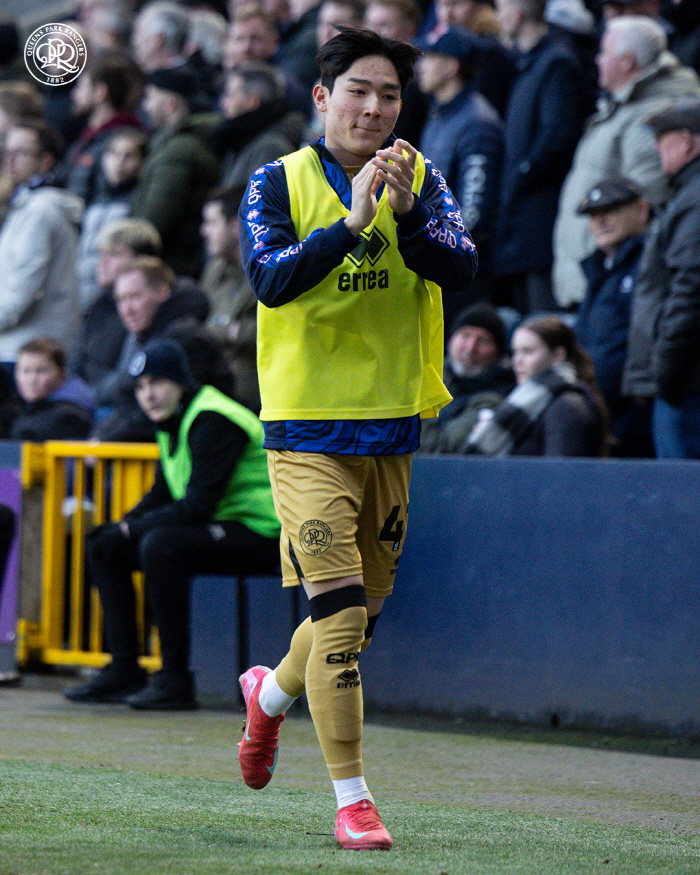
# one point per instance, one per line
(464, 138)
(544, 120)
(603, 321)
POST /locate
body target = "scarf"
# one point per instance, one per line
(498, 434)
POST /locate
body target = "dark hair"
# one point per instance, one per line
(138, 138)
(154, 270)
(48, 136)
(120, 76)
(47, 346)
(229, 198)
(352, 43)
(21, 100)
(556, 333)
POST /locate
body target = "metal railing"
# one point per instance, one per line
(84, 484)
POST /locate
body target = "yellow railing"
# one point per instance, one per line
(85, 484)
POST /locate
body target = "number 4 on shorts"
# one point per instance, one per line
(393, 528)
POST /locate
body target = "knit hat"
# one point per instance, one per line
(163, 358)
(570, 15)
(483, 315)
(177, 79)
(457, 42)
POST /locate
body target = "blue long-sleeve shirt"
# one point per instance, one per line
(432, 240)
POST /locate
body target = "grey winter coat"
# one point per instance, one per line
(615, 142)
(663, 350)
(38, 274)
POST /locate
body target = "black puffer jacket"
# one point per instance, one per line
(663, 352)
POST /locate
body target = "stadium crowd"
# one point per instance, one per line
(568, 132)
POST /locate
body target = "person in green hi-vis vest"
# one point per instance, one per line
(210, 511)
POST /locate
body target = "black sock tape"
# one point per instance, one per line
(335, 600)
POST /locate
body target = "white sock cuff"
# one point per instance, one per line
(351, 790)
(273, 700)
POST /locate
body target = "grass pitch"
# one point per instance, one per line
(101, 789)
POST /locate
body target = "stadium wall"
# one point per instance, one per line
(555, 592)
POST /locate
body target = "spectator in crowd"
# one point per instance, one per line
(496, 70)
(477, 374)
(209, 511)
(205, 49)
(55, 405)
(258, 124)
(106, 25)
(555, 410)
(400, 20)
(179, 170)
(104, 96)
(38, 243)
(618, 216)
(464, 138)
(253, 36)
(121, 163)
(574, 24)
(348, 13)
(233, 315)
(152, 306)
(159, 36)
(100, 355)
(637, 76)
(17, 100)
(684, 15)
(663, 357)
(542, 126)
(298, 47)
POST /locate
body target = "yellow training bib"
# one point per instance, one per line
(366, 342)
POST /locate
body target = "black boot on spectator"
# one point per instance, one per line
(166, 691)
(113, 683)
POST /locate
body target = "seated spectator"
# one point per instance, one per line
(210, 511)
(97, 357)
(159, 35)
(55, 405)
(258, 126)
(347, 13)
(401, 20)
(38, 243)
(106, 25)
(618, 216)
(151, 305)
(180, 168)
(496, 68)
(463, 137)
(104, 96)
(555, 410)
(477, 374)
(121, 163)
(233, 316)
(637, 76)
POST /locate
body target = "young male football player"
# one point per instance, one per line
(346, 244)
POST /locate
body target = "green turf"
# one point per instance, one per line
(105, 790)
(58, 819)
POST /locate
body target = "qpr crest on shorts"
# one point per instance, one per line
(315, 537)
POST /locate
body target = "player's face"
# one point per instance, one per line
(158, 397)
(362, 109)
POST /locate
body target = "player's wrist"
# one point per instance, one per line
(353, 226)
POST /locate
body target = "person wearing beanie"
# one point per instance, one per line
(180, 169)
(477, 374)
(209, 511)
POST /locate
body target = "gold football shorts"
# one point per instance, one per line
(341, 516)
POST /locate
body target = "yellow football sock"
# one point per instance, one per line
(291, 672)
(333, 688)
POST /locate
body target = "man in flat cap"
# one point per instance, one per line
(618, 216)
(180, 169)
(663, 357)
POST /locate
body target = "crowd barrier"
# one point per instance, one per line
(84, 484)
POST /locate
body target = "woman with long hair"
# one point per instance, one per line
(555, 409)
